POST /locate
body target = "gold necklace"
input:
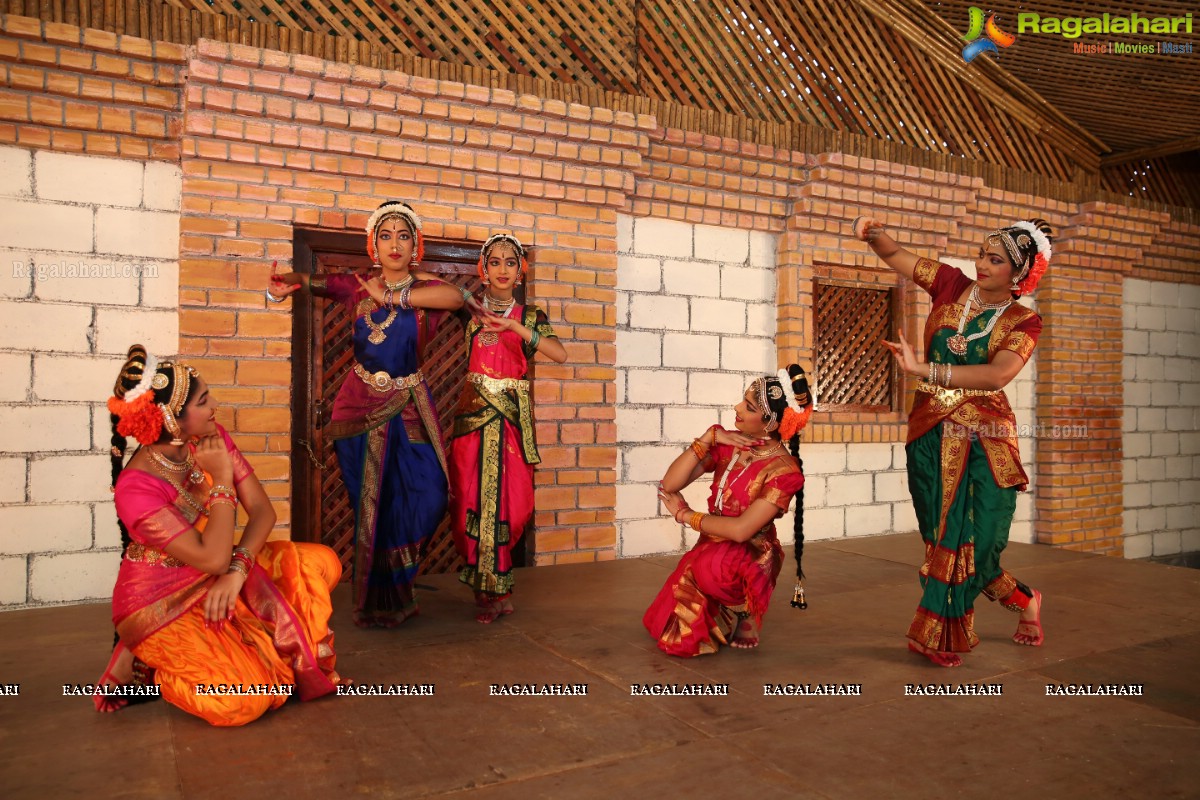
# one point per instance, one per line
(498, 305)
(490, 338)
(183, 493)
(400, 284)
(770, 451)
(186, 467)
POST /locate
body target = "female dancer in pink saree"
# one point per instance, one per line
(194, 613)
(719, 592)
(493, 449)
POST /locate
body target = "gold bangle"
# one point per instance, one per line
(221, 501)
(697, 518)
(680, 511)
(699, 449)
(219, 489)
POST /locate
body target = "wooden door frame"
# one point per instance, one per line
(307, 243)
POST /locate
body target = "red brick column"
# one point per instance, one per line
(1079, 492)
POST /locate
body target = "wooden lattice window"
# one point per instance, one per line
(854, 369)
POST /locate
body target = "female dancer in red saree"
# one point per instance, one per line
(190, 607)
(964, 469)
(493, 449)
(384, 424)
(719, 592)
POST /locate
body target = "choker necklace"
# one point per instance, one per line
(498, 305)
(400, 284)
(770, 451)
(184, 494)
(185, 468)
(490, 338)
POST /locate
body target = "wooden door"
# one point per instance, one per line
(322, 355)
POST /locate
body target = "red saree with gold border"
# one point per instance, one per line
(695, 611)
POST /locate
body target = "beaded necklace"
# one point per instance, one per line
(958, 343)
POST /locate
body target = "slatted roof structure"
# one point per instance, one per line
(879, 78)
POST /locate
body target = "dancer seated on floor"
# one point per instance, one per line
(964, 469)
(719, 592)
(190, 608)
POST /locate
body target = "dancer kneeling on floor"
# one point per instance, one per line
(720, 591)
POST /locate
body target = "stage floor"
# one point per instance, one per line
(1108, 621)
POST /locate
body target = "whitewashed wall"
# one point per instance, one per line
(1161, 441)
(89, 253)
(695, 323)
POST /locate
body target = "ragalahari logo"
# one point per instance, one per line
(989, 30)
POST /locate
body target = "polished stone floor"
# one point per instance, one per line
(1108, 621)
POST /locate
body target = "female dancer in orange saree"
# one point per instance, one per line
(493, 450)
(964, 469)
(201, 614)
(719, 592)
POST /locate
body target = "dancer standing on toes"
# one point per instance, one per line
(384, 424)
(964, 469)
(493, 449)
(719, 592)
(192, 610)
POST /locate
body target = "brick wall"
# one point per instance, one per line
(88, 249)
(1161, 376)
(695, 324)
(667, 260)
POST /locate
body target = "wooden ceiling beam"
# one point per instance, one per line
(1184, 145)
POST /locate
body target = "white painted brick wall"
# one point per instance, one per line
(726, 285)
(1161, 448)
(89, 253)
(701, 325)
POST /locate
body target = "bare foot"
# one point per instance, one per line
(1029, 629)
(745, 636)
(939, 657)
(119, 672)
(492, 607)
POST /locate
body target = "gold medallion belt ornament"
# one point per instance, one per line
(497, 385)
(949, 398)
(383, 382)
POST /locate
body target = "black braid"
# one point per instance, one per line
(118, 464)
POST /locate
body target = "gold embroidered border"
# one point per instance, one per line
(348, 429)
(955, 448)
(1001, 587)
(428, 415)
(368, 512)
(925, 272)
(947, 566)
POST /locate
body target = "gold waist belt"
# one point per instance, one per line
(950, 397)
(149, 555)
(383, 382)
(496, 385)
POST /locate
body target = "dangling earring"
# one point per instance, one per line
(171, 425)
(518, 282)
(414, 263)
(486, 282)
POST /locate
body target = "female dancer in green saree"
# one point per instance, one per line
(964, 470)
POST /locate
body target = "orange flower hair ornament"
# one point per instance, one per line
(798, 412)
(492, 242)
(138, 416)
(395, 208)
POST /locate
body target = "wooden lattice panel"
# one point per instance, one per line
(854, 367)
(773, 71)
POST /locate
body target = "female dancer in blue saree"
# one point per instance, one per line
(384, 425)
